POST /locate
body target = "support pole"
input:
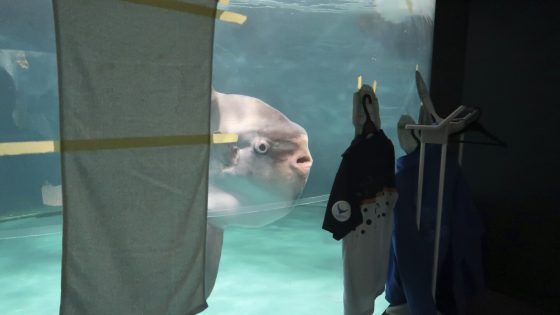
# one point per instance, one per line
(439, 215)
(461, 149)
(420, 184)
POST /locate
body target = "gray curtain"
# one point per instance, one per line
(135, 96)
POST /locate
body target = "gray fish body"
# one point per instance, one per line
(268, 165)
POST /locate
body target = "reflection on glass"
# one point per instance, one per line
(301, 58)
(30, 205)
(29, 112)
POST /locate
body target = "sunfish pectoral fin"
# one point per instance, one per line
(213, 93)
(226, 153)
(223, 156)
(214, 243)
(214, 111)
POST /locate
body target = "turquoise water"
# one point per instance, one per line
(303, 58)
(30, 266)
(288, 267)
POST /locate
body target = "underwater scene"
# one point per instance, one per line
(283, 81)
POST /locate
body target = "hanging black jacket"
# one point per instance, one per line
(367, 168)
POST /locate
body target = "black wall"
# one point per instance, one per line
(503, 56)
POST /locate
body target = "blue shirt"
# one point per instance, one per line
(410, 269)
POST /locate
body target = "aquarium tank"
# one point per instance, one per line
(283, 82)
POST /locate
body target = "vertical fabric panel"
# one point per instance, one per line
(134, 217)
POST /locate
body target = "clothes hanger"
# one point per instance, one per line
(437, 131)
(369, 127)
(466, 121)
(477, 127)
(365, 95)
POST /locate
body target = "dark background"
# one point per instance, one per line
(502, 56)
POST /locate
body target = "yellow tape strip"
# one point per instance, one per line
(359, 82)
(129, 143)
(231, 17)
(410, 5)
(221, 138)
(31, 147)
(41, 147)
(374, 86)
(175, 5)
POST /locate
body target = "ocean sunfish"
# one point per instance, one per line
(270, 162)
(269, 165)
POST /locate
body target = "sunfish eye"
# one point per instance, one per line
(261, 146)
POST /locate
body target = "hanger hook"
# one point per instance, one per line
(369, 126)
(366, 96)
